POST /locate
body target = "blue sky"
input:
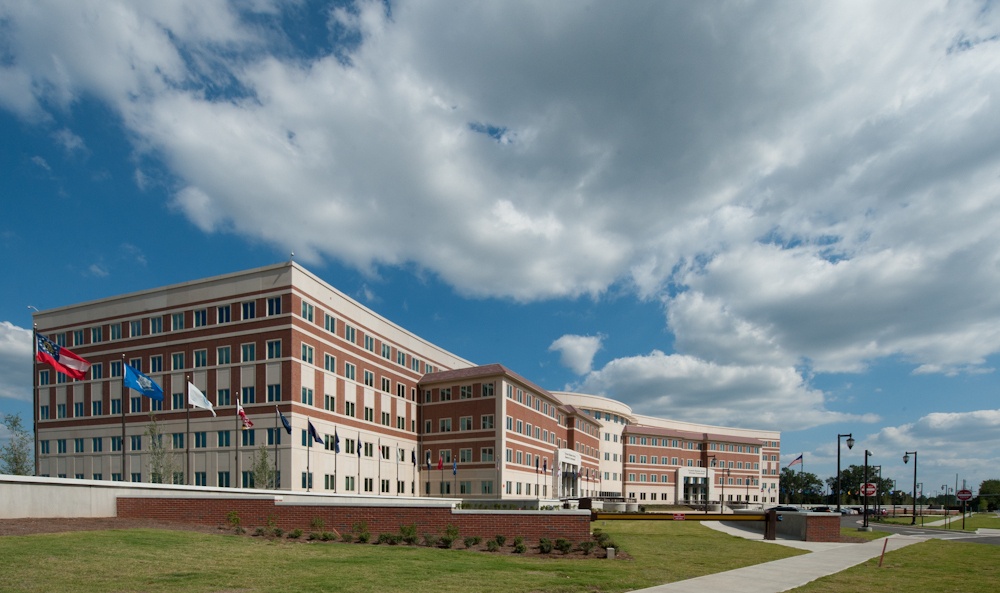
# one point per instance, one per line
(769, 215)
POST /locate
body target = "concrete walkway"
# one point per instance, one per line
(788, 573)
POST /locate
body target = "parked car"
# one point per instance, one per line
(822, 510)
(783, 509)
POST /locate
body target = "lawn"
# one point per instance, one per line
(934, 566)
(157, 560)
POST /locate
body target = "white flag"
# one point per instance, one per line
(197, 399)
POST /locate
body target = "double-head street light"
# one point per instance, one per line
(850, 445)
(906, 459)
(864, 489)
(709, 481)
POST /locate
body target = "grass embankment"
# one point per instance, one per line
(153, 560)
(934, 566)
(972, 522)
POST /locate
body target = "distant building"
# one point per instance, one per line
(410, 418)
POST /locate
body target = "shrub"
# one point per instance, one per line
(361, 532)
(408, 533)
(501, 539)
(239, 530)
(564, 545)
(430, 539)
(451, 531)
(272, 521)
(602, 538)
(587, 546)
(518, 540)
(492, 545)
(260, 531)
(317, 524)
(277, 531)
(472, 540)
(545, 545)
(327, 536)
(520, 548)
(389, 538)
(313, 536)
(233, 519)
(347, 537)
(295, 534)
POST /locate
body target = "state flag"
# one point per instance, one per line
(197, 399)
(312, 432)
(284, 421)
(243, 415)
(135, 379)
(61, 359)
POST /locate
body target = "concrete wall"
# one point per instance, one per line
(807, 527)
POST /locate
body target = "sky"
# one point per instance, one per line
(772, 215)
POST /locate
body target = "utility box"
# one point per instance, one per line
(770, 525)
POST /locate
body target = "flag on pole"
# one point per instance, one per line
(197, 399)
(440, 461)
(359, 445)
(454, 467)
(243, 415)
(797, 460)
(413, 457)
(536, 464)
(284, 421)
(428, 461)
(60, 358)
(137, 380)
(336, 441)
(312, 432)
(545, 466)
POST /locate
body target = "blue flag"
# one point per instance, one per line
(284, 421)
(454, 467)
(142, 384)
(313, 433)
(359, 445)
(413, 456)
(336, 441)
(428, 461)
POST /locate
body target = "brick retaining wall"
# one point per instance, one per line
(531, 525)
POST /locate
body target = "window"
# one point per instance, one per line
(487, 389)
(273, 349)
(223, 355)
(369, 343)
(465, 455)
(200, 440)
(401, 358)
(274, 306)
(44, 447)
(445, 425)
(177, 440)
(155, 325)
(78, 337)
(96, 408)
(350, 334)
(135, 442)
(78, 409)
(115, 368)
(200, 358)
(415, 364)
(177, 361)
(116, 444)
(369, 414)
(78, 445)
(307, 396)
(386, 384)
(369, 378)
(350, 371)
(60, 410)
(200, 317)
(486, 421)
(43, 377)
(386, 419)
(329, 363)
(446, 394)
(224, 314)
(249, 394)
(330, 323)
(249, 352)
(350, 409)
(177, 321)
(177, 401)
(386, 352)
(307, 353)
(274, 392)
(249, 309)
(223, 440)
(274, 436)
(96, 335)
(223, 479)
(248, 437)
(223, 398)
(308, 312)
(465, 423)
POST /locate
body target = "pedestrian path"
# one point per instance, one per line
(788, 573)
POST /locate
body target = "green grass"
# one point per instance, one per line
(155, 560)
(934, 566)
(853, 533)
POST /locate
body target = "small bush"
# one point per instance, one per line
(347, 537)
(312, 536)
(272, 521)
(364, 537)
(564, 545)
(260, 531)
(239, 530)
(361, 532)
(518, 540)
(520, 548)
(545, 545)
(446, 541)
(408, 533)
(587, 546)
(501, 539)
(492, 545)
(391, 539)
(326, 536)
(277, 531)
(233, 519)
(295, 534)
(451, 531)
(472, 540)
(430, 540)
(317, 524)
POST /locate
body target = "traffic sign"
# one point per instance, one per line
(964, 495)
(678, 516)
(868, 489)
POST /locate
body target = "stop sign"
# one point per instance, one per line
(964, 495)
(868, 489)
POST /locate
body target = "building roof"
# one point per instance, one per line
(694, 436)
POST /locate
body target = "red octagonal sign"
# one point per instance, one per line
(964, 495)
(868, 489)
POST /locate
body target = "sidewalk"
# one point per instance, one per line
(788, 573)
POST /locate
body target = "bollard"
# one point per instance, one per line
(611, 553)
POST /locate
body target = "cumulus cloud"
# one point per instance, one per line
(577, 352)
(15, 362)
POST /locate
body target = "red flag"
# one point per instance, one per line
(440, 461)
(60, 358)
(243, 415)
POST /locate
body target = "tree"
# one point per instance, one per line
(262, 469)
(989, 491)
(801, 487)
(162, 465)
(15, 456)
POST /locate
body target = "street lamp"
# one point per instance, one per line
(906, 459)
(722, 507)
(708, 480)
(864, 488)
(850, 445)
(878, 491)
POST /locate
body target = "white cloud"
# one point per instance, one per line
(15, 362)
(577, 352)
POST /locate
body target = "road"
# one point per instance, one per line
(855, 521)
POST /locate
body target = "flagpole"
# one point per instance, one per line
(187, 435)
(124, 472)
(276, 433)
(336, 450)
(35, 389)
(380, 465)
(237, 435)
(358, 485)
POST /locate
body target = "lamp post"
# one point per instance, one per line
(864, 488)
(708, 480)
(906, 459)
(878, 490)
(722, 505)
(850, 445)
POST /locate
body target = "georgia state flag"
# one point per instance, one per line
(60, 358)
